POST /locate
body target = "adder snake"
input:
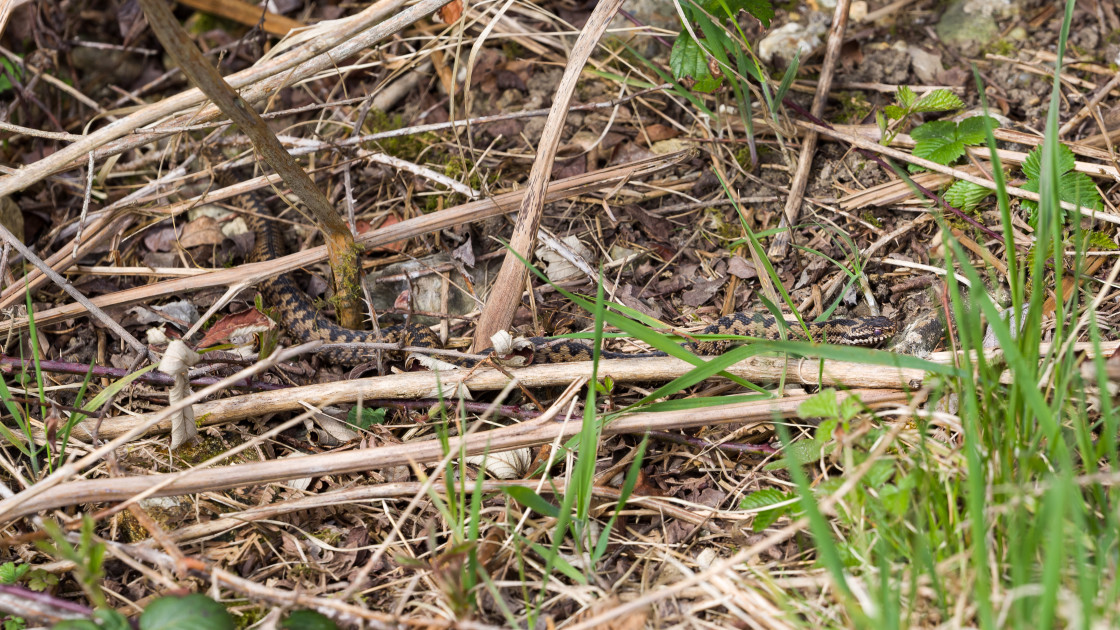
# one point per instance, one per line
(303, 320)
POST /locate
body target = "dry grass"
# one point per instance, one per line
(642, 500)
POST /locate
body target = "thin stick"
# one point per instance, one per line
(337, 463)
(70, 469)
(255, 272)
(413, 385)
(779, 247)
(347, 37)
(339, 240)
(505, 296)
(81, 299)
(874, 147)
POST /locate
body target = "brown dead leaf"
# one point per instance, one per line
(404, 299)
(655, 227)
(51, 424)
(451, 12)
(241, 324)
(626, 295)
(202, 231)
(464, 253)
(659, 132)
(741, 268)
(395, 246)
(161, 239)
(644, 488)
(702, 291)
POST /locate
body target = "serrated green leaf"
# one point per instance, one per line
(531, 500)
(937, 101)
(966, 195)
(937, 141)
(1075, 188)
(894, 112)
(39, 580)
(10, 572)
(821, 405)
(1102, 240)
(308, 620)
(973, 132)
(849, 407)
(1079, 188)
(1032, 164)
(933, 130)
(763, 498)
(880, 473)
(762, 10)
(689, 61)
(193, 612)
(906, 97)
(800, 452)
(761, 501)
(826, 430)
(765, 519)
(369, 417)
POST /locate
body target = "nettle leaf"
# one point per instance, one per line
(822, 405)
(762, 10)
(936, 101)
(689, 62)
(966, 195)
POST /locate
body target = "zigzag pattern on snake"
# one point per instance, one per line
(304, 322)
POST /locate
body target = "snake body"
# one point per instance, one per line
(298, 314)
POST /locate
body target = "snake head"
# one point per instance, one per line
(869, 331)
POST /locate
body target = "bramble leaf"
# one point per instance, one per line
(1075, 188)
(689, 62)
(762, 10)
(966, 195)
(822, 405)
(936, 101)
(760, 501)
